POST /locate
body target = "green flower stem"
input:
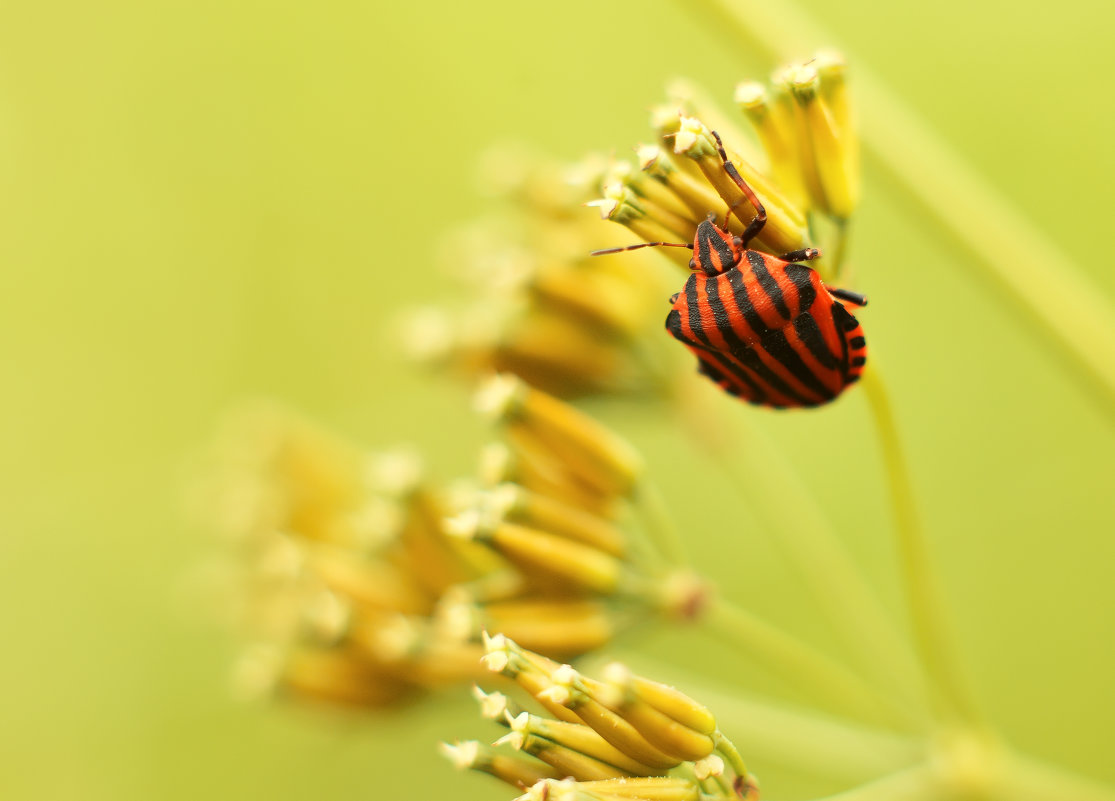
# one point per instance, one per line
(1044, 286)
(783, 504)
(913, 784)
(828, 682)
(838, 249)
(953, 699)
(1026, 779)
(654, 514)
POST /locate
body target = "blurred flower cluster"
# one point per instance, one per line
(364, 582)
(540, 306)
(341, 560)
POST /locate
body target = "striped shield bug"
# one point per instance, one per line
(764, 328)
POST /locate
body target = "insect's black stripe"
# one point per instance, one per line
(724, 256)
(802, 279)
(693, 307)
(732, 364)
(755, 393)
(673, 325)
(703, 254)
(858, 343)
(736, 346)
(709, 240)
(776, 344)
(721, 316)
(743, 302)
(810, 333)
(767, 282)
(848, 323)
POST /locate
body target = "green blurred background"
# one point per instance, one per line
(209, 201)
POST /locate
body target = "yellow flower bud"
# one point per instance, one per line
(613, 728)
(590, 450)
(829, 145)
(785, 229)
(776, 128)
(658, 788)
(519, 505)
(665, 699)
(471, 755)
(578, 737)
(565, 760)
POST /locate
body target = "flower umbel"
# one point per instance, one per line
(569, 503)
(624, 736)
(801, 161)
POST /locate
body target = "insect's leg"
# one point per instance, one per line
(642, 245)
(756, 225)
(855, 298)
(805, 254)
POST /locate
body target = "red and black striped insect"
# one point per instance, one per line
(764, 328)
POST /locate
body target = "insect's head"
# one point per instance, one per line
(715, 250)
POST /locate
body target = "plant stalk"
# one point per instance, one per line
(785, 508)
(952, 697)
(809, 671)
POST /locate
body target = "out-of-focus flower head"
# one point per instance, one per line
(622, 736)
(541, 308)
(362, 582)
(342, 560)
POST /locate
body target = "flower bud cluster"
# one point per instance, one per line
(559, 505)
(801, 160)
(542, 308)
(619, 737)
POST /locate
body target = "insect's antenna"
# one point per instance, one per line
(756, 225)
(643, 245)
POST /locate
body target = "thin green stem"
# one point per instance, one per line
(809, 671)
(785, 506)
(913, 784)
(1026, 779)
(1045, 288)
(953, 699)
(655, 515)
(838, 249)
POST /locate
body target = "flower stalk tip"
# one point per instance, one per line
(518, 772)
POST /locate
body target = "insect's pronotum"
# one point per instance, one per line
(764, 328)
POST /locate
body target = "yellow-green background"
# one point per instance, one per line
(207, 201)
